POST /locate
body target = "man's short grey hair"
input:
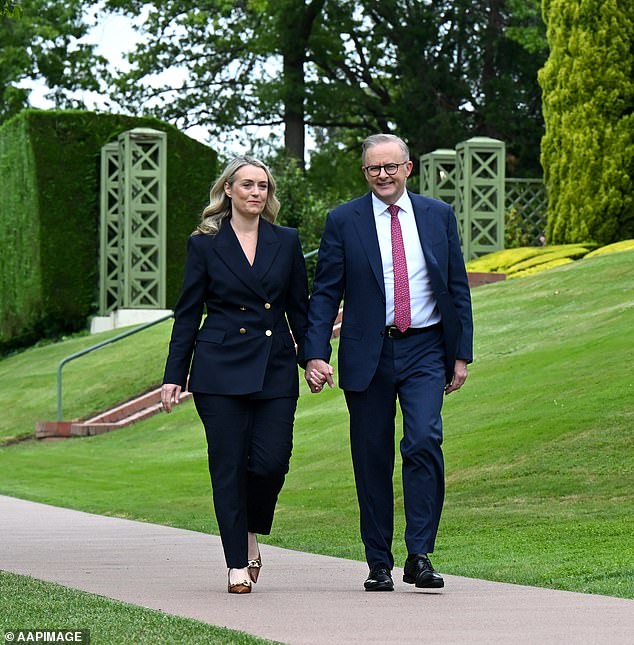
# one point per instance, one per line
(376, 139)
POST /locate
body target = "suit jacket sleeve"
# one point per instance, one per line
(297, 300)
(187, 316)
(458, 286)
(328, 290)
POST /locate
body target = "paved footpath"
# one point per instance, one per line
(301, 598)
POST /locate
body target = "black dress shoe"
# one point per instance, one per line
(379, 579)
(418, 570)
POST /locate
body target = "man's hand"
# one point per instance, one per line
(459, 377)
(317, 373)
(170, 395)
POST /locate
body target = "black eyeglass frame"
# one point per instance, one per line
(374, 173)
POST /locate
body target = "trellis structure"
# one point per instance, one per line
(469, 179)
(109, 264)
(144, 207)
(528, 198)
(133, 213)
(480, 170)
(438, 175)
(525, 200)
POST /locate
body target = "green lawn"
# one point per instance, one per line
(26, 603)
(539, 444)
(91, 383)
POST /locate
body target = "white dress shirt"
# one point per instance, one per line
(422, 300)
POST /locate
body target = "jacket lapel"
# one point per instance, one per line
(230, 252)
(268, 247)
(366, 229)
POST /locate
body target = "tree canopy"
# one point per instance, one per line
(44, 45)
(433, 72)
(10, 8)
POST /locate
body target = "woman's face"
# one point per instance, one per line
(248, 192)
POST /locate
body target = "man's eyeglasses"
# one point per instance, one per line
(390, 169)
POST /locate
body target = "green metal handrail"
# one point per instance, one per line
(114, 339)
(92, 348)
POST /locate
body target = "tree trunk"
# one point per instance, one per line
(296, 21)
(294, 134)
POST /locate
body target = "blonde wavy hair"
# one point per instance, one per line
(219, 207)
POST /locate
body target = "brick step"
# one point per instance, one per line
(126, 409)
(477, 279)
(139, 408)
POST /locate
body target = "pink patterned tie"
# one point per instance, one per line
(402, 312)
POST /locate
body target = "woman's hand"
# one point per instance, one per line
(170, 395)
(318, 373)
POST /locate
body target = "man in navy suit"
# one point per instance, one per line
(394, 258)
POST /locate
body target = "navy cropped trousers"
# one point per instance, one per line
(249, 444)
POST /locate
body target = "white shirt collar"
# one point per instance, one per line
(403, 202)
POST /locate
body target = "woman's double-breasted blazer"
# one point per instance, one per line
(244, 345)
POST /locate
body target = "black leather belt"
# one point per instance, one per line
(393, 332)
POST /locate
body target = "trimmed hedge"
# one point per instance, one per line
(511, 260)
(568, 252)
(617, 247)
(542, 266)
(20, 277)
(517, 263)
(49, 216)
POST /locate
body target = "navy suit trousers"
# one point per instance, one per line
(249, 444)
(411, 370)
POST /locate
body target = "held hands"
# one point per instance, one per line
(459, 377)
(317, 373)
(170, 395)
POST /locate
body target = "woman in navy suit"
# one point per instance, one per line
(250, 275)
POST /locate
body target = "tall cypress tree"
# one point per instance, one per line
(588, 100)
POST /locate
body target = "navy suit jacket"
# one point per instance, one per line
(244, 345)
(350, 267)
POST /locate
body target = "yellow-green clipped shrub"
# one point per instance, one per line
(500, 261)
(552, 254)
(623, 245)
(551, 264)
(516, 263)
(510, 260)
